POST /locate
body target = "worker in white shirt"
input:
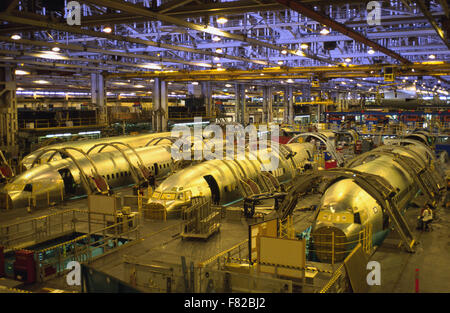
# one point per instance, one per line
(427, 217)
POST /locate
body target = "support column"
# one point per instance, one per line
(240, 109)
(207, 95)
(291, 106)
(8, 113)
(98, 97)
(288, 114)
(267, 104)
(160, 106)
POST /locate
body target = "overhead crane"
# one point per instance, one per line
(438, 68)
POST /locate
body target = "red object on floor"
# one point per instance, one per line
(24, 266)
(2, 262)
(417, 280)
(330, 164)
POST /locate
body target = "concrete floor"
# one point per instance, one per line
(161, 242)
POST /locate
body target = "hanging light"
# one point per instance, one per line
(371, 51)
(304, 46)
(107, 29)
(284, 51)
(16, 37)
(216, 38)
(348, 60)
(280, 62)
(216, 58)
(56, 49)
(21, 72)
(222, 20)
(324, 31)
(219, 50)
(432, 56)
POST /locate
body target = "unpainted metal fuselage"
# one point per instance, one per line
(217, 180)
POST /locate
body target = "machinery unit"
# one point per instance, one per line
(25, 266)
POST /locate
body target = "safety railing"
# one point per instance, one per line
(53, 123)
(333, 248)
(53, 260)
(34, 230)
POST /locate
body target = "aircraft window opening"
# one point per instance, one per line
(156, 195)
(112, 175)
(28, 187)
(168, 196)
(107, 176)
(180, 196)
(121, 174)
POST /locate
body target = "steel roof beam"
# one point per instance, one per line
(46, 23)
(433, 22)
(322, 18)
(143, 11)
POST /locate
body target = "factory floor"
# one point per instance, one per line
(161, 242)
(431, 259)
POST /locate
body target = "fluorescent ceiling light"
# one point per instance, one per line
(41, 82)
(152, 66)
(21, 72)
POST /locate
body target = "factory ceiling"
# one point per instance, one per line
(233, 40)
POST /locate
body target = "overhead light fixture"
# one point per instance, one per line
(324, 31)
(371, 51)
(216, 38)
(300, 52)
(222, 20)
(170, 83)
(432, 56)
(228, 85)
(139, 86)
(280, 62)
(41, 82)
(195, 83)
(219, 50)
(284, 51)
(152, 66)
(219, 65)
(51, 55)
(216, 58)
(21, 72)
(348, 60)
(56, 49)
(107, 29)
(16, 37)
(262, 74)
(343, 83)
(289, 81)
(304, 46)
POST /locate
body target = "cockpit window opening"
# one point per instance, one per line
(168, 196)
(156, 195)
